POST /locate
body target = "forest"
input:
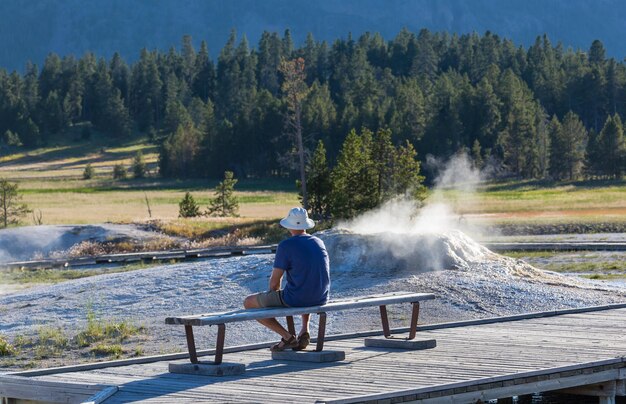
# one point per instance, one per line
(542, 112)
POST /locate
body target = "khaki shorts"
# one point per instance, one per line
(271, 298)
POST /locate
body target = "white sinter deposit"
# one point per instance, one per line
(37, 242)
(469, 280)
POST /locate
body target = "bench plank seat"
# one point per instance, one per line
(257, 314)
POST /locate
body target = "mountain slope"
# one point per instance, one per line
(30, 30)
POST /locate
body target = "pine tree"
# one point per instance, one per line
(119, 172)
(406, 174)
(11, 139)
(139, 165)
(318, 175)
(225, 202)
(354, 185)
(409, 118)
(188, 207)
(11, 210)
(88, 172)
(558, 167)
(476, 155)
(612, 147)
(383, 157)
(569, 142)
(179, 153)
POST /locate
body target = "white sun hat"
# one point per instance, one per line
(297, 219)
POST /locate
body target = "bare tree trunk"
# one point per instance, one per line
(5, 207)
(148, 204)
(305, 199)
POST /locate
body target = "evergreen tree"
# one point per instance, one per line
(225, 202)
(318, 175)
(203, 85)
(88, 172)
(569, 142)
(409, 117)
(139, 165)
(612, 147)
(188, 207)
(476, 155)
(179, 152)
(146, 93)
(354, 185)
(540, 146)
(406, 175)
(11, 139)
(383, 158)
(53, 116)
(487, 108)
(119, 172)
(11, 209)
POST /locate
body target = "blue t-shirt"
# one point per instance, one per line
(305, 261)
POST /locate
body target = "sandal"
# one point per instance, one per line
(284, 344)
(303, 342)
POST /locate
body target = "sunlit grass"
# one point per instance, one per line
(528, 254)
(587, 266)
(6, 349)
(51, 341)
(114, 350)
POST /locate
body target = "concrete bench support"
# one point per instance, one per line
(309, 356)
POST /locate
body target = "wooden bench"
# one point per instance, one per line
(221, 319)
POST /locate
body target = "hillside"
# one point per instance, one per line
(30, 30)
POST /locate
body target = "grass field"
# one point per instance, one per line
(600, 265)
(542, 202)
(50, 180)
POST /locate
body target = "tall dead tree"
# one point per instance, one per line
(295, 91)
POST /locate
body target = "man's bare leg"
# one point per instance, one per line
(305, 324)
(271, 323)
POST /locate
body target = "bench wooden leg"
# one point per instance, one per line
(219, 346)
(414, 316)
(385, 321)
(291, 327)
(191, 345)
(321, 332)
(413, 327)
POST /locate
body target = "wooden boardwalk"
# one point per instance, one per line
(473, 360)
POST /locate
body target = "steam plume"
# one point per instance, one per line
(457, 178)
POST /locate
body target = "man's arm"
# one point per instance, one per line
(276, 278)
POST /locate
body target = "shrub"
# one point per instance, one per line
(139, 166)
(119, 172)
(11, 139)
(6, 349)
(115, 350)
(50, 342)
(89, 172)
(188, 207)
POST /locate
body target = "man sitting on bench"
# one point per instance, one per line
(304, 259)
